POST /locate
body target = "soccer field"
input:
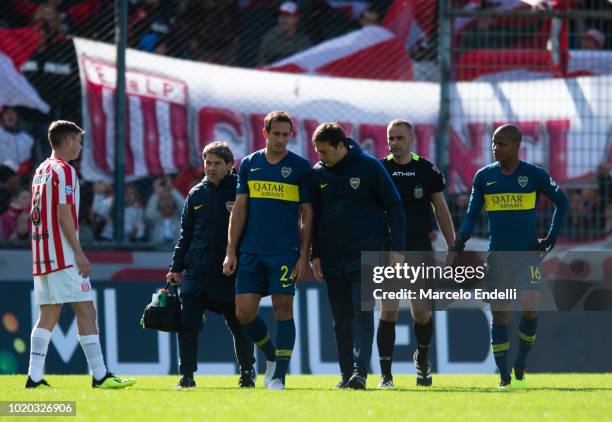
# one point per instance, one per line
(454, 397)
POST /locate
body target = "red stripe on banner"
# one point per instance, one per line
(386, 60)
(376, 135)
(19, 43)
(400, 15)
(288, 68)
(257, 126)
(178, 127)
(109, 257)
(473, 64)
(57, 239)
(151, 136)
(97, 122)
(209, 117)
(140, 274)
(45, 229)
(129, 156)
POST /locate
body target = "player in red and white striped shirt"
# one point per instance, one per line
(61, 269)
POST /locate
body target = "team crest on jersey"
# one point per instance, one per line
(355, 181)
(522, 181)
(68, 190)
(229, 205)
(286, 171)
(418, 192)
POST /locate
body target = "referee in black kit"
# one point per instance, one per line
(420, 185)
(200, 252)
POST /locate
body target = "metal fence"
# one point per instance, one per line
(486, 63)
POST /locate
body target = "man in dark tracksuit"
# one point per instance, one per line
(199, 253)
(352, 192)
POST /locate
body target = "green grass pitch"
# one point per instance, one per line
(551, 397)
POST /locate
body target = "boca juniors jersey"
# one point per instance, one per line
(275, 194)
(510, 202)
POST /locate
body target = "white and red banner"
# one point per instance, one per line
(175, 107)
(16, 45)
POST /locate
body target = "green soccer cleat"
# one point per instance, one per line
(505, 385)
(519, 378)
(112, 382)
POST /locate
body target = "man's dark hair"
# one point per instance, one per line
(330, 132)
(277, 116)
(220, 149)
(508, 132)
(60, 129)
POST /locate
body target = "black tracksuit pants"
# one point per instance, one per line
(192, 308)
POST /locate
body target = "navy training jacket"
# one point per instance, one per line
(200, 249)
(350, 201)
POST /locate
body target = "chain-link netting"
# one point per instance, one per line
(545, 69)
(197, 71)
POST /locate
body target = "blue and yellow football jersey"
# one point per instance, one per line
(510, 201)
(275, 194)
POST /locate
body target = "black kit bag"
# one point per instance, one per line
(164, 316)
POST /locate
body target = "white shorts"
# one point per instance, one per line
(64, 286)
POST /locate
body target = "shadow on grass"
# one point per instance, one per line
(400, 390)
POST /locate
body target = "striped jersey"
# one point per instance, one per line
(55, 182)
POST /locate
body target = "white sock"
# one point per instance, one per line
(39, 343)
(93, 353)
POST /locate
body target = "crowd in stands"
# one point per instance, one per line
(246, 33)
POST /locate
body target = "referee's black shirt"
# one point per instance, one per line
(415, 182)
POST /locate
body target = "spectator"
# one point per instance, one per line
(604, 189)
(134, 215)
(608, 220)
(15, 143)
(370, 17)
(150, 22)
(255, 17)
(284, 39)
(592, 39)
(321, 21)
(53, 70)
(15, 221)
(581, 224)
(9, 180)
(206, 31)
(101, 210)
(102, 213)
(163, 212)
(70, 12)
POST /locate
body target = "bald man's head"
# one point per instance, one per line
(508, 132)
(506, 143)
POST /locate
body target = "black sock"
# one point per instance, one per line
(423, 334)
(385, 340)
